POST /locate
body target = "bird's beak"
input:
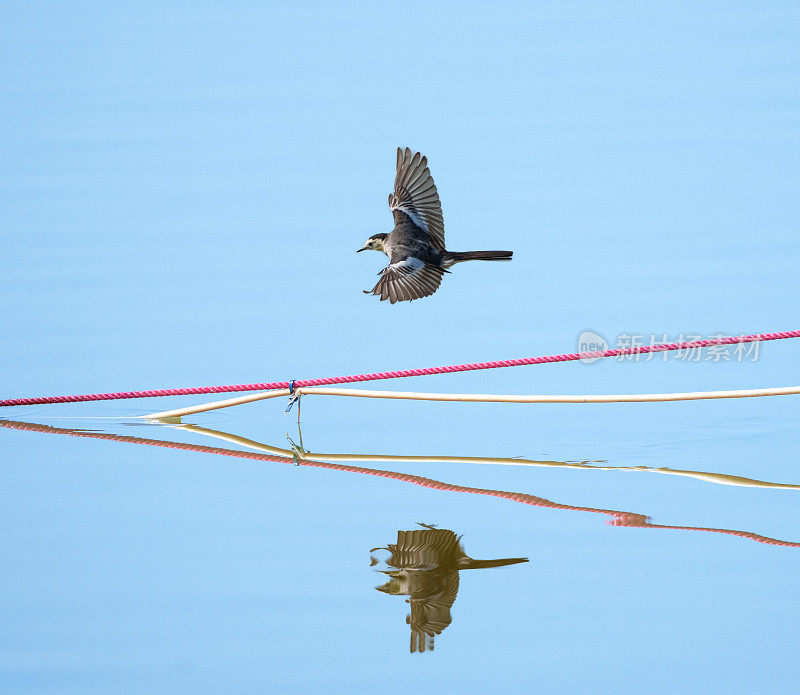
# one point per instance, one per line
(363, 248)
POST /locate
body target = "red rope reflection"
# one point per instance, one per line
(617, 518)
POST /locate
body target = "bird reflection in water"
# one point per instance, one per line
(424, 565)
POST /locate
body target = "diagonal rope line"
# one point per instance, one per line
(424, 371)
(473, 398)
(617, 518)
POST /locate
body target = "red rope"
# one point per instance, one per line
(617, 518)
(424, 371)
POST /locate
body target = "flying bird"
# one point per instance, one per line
(417, 256)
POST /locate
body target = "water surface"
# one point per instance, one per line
(241, 557)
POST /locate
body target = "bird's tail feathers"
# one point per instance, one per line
(451, 257)
(468, 563)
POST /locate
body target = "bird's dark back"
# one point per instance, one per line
(406, 239)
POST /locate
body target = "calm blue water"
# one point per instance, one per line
(183, 190)
(135, 568)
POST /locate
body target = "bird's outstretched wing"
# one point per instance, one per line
(406, 280)
(415, 196)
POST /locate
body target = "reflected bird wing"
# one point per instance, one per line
(424, 549)
(415, 197)
(408, 279)
(429, 617)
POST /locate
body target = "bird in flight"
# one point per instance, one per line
(415, 247)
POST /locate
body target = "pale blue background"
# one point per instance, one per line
(183, 189)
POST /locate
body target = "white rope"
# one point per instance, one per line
(718, 478)
(490, 398)
(477, 397)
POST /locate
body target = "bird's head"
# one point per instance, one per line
(377, 242)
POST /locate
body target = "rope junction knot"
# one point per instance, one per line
(294, 397)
